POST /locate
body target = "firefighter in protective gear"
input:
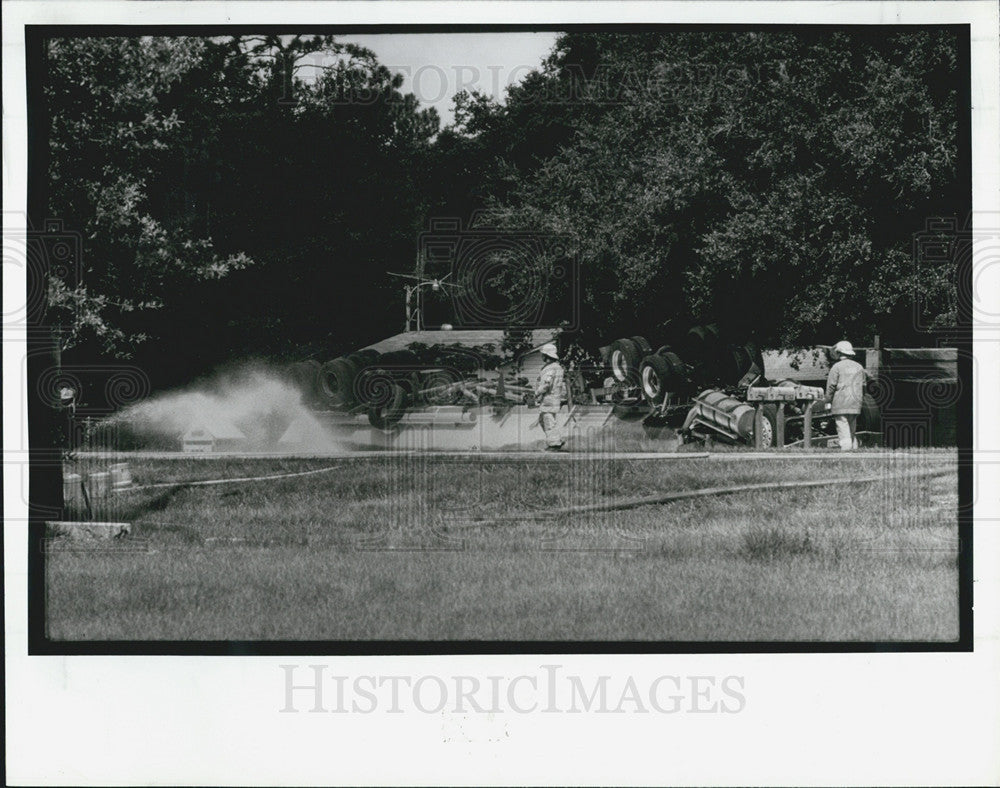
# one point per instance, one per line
(845, 388)
(548, 394)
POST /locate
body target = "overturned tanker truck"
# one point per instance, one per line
(713, 389)
(699, 387)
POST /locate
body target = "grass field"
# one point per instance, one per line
(438, 548)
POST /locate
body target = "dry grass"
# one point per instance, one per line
(433, 548)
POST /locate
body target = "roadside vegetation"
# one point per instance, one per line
(772, 182)
(438, 548)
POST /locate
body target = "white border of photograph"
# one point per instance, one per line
(903, 718)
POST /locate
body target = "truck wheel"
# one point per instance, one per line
(660, 373)
(769, 427)
(336, 383)
(384, 415)
(624, 361)
(409, 382)
(359, 360)
(705, 336)
(373, 386)
(304, 376)
(705, 352)
(677, 369)
(654, 374)
(695, 339)
(310, 379)
(643, 344)
(370, 356)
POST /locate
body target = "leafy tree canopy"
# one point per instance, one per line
(246, 195)
(768, 181)
(234, 196)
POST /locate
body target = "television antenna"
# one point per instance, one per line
(414, 314)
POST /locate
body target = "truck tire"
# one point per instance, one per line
(359, 361)
(385, 414)
(695, 340)
(409, 381)
(654, 375)
(370, 356)
(373, 386)
(304, 376)
(770, 426)
(705, 336)
(677, 368)
(310, 379)
(336, 383)
(643, 344)
(624, 359)
(660, 373)
(704, 352)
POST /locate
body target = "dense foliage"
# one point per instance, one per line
(769, 181)
(235, 196)
(246, 195)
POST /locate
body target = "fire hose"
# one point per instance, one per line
(206, 482)
(662, 498)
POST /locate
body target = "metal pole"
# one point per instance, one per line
(873, 360)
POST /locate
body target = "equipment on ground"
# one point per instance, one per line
(700, 385)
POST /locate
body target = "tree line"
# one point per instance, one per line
(245, 196)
